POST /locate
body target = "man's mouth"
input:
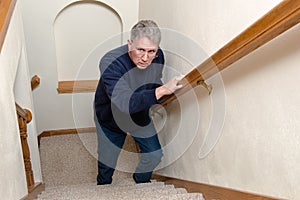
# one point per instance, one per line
(142, 64)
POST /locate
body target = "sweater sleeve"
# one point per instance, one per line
(128, 100)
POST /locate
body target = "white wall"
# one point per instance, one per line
(12, 59)
(88, 24)
(245, 135)
(23, 96)
(45, 55)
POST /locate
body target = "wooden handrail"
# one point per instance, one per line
(24, 117)
(281, 18)
(21, 112)
(6, 10)
(35, 81)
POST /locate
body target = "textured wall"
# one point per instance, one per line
(245, 134)
(12, 174)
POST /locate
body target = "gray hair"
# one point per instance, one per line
(146, 28)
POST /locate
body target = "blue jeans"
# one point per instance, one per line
(110, 144)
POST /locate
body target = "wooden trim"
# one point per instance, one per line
(35, 81)
(281, 18)
(35, 191)
(24, 116)
(211, 192)
(79, 86)
(79, 130)
(24, 113)
(65, 132)
(20, 111)
(6, 10)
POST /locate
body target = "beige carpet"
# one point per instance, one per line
(69, 168)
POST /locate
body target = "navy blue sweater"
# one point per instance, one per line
(125, 93)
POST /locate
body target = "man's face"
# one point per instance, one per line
(142, 52)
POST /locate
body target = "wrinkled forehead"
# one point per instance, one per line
(145, 43)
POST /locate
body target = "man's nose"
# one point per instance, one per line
(145, 56)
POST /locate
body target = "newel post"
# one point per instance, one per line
(24, 117)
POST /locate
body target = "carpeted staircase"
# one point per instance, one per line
(69, 168)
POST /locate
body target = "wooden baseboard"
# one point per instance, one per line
(35, 191)
(49, 133)
(211, 192)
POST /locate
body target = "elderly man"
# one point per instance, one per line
(130, 84)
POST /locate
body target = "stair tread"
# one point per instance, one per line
(132, 194)
(108, 186)
(114, 190)
(188, 196)
(65, 161)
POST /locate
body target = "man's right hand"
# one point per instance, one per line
(170, 87)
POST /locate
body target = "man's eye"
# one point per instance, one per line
(141, 50)
(152, 51)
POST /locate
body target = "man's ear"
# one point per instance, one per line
(129, 43)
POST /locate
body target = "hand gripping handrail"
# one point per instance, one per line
(279, 19)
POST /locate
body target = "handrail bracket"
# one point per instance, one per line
(205, 85)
